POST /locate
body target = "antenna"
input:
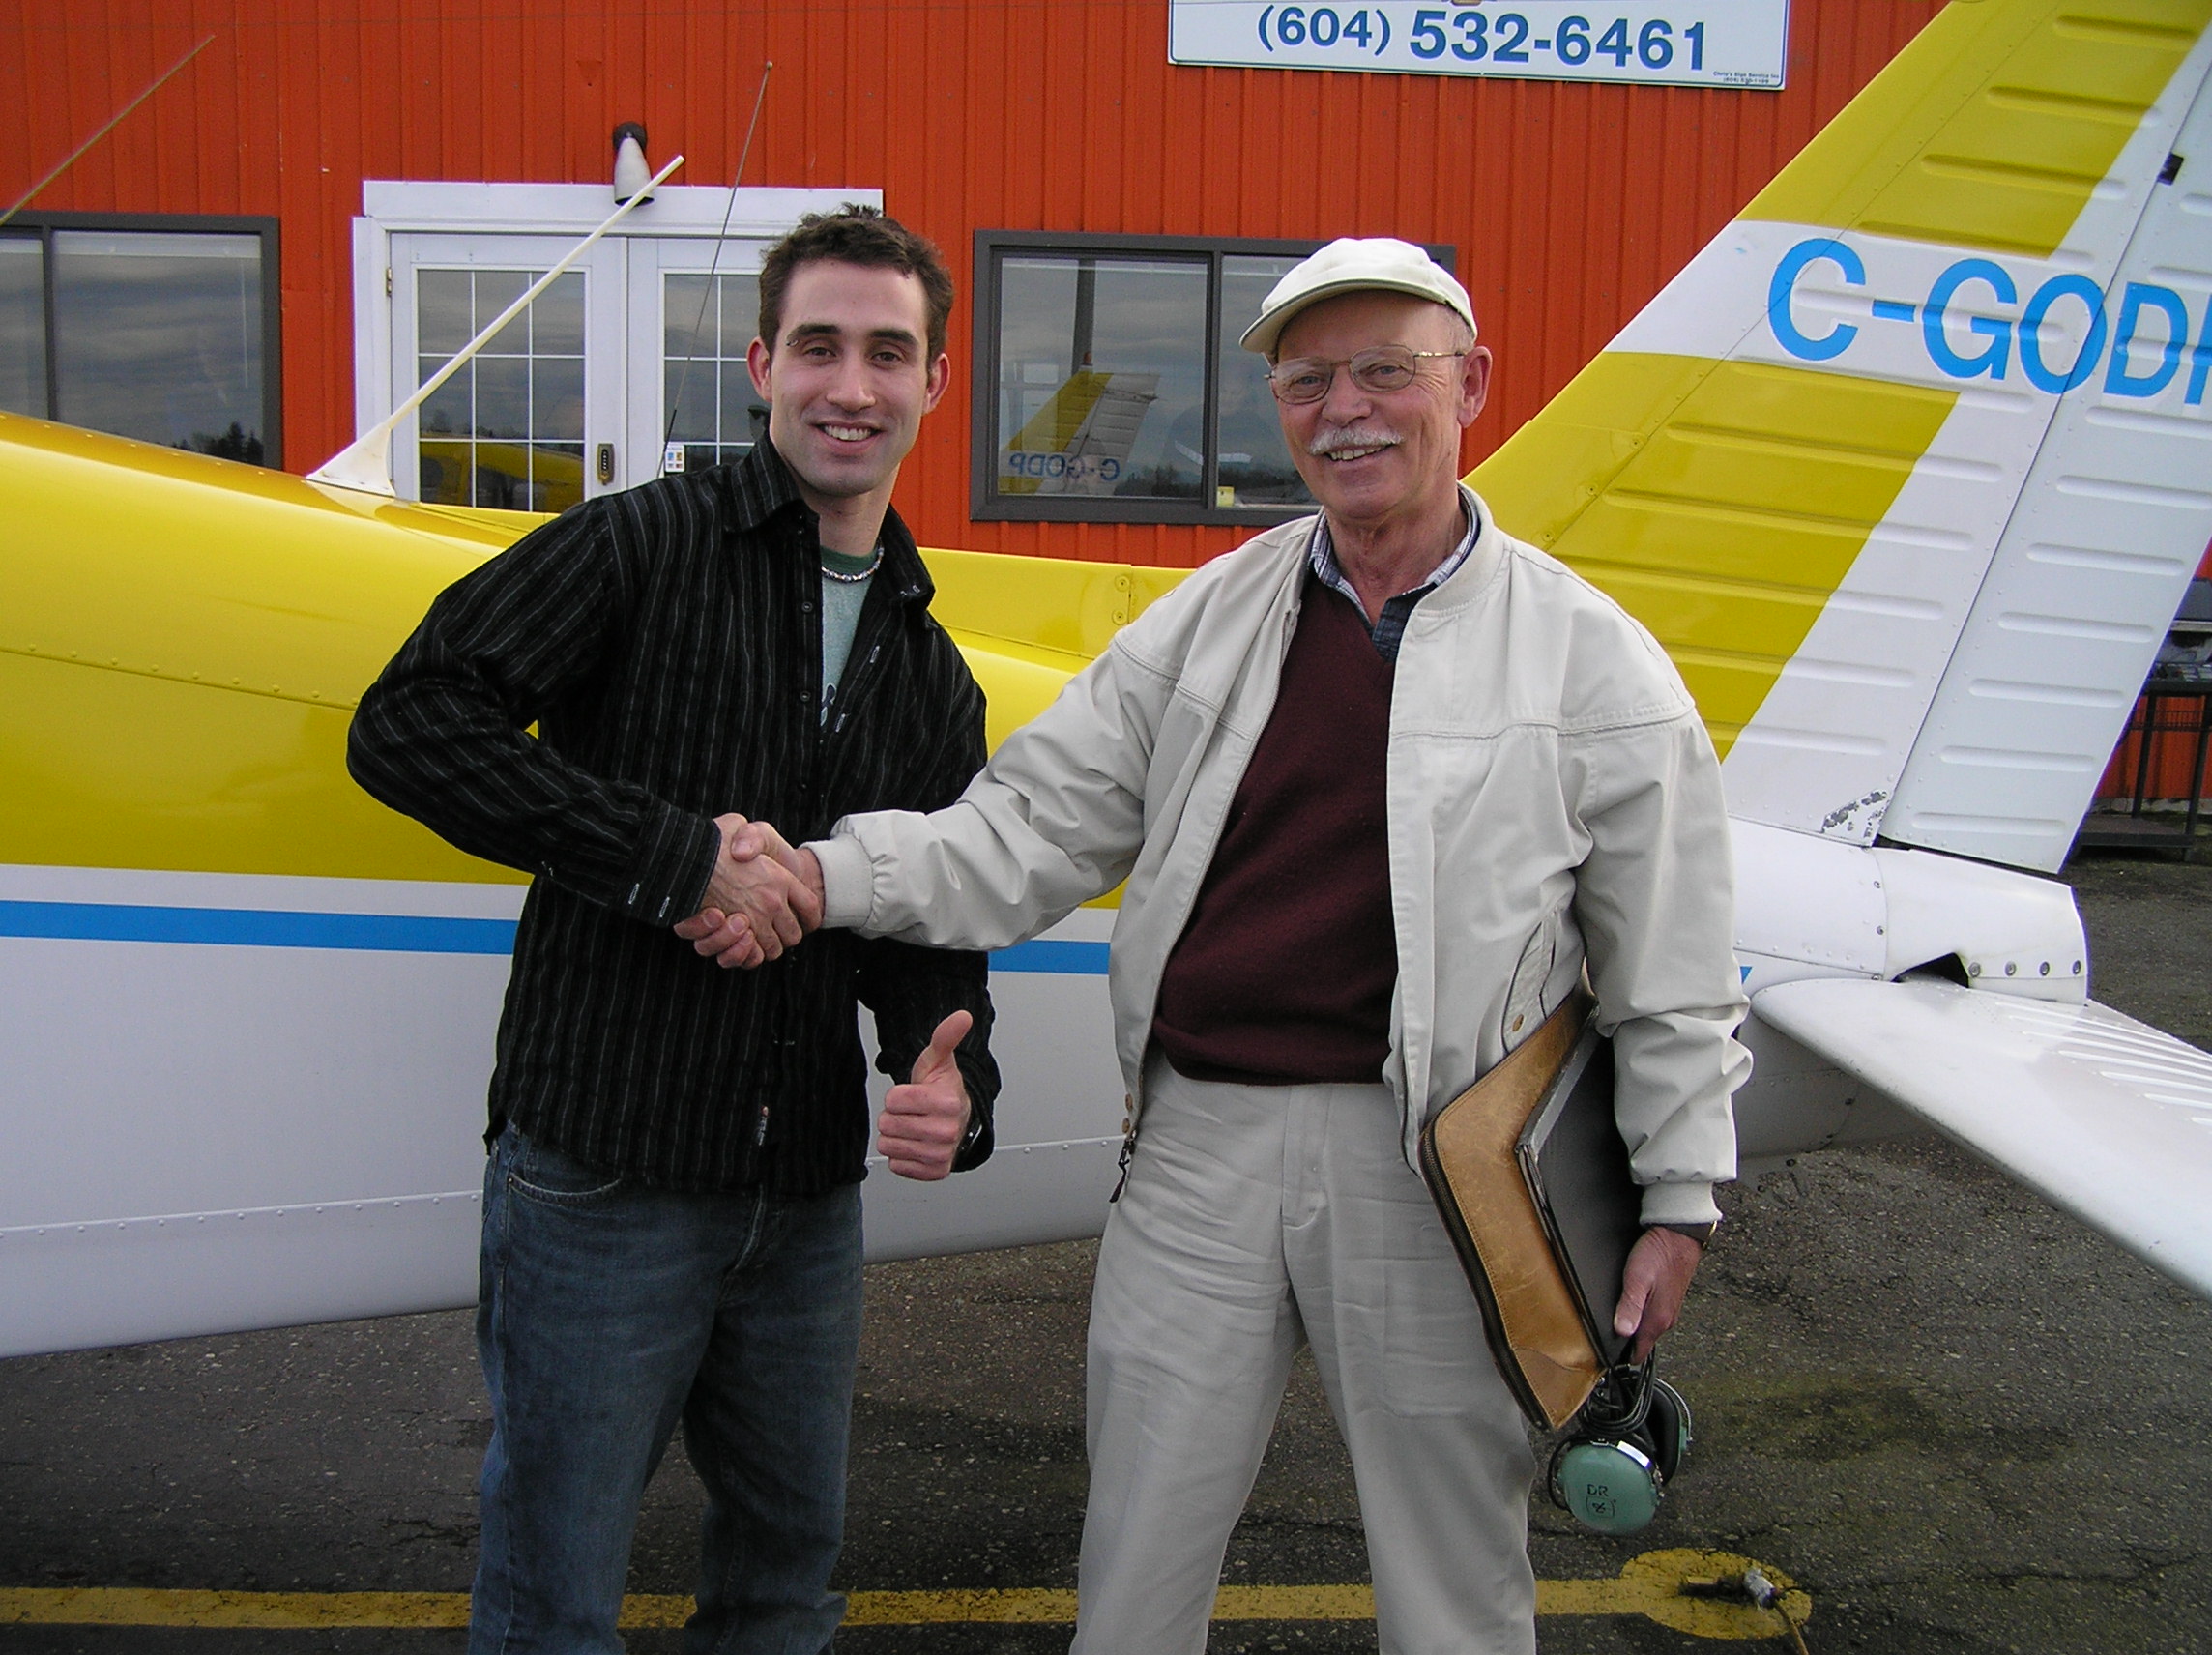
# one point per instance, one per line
(366, 463)
(714, 268)
(113, 121)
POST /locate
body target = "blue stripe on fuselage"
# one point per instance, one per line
(377, 933)
(1068, 959)
(256, 928)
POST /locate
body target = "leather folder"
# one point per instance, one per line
(1532, 1181)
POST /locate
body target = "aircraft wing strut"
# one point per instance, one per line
(2106, 1116)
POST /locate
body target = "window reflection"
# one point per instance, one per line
(1114, 376)
(157, 334)
(23, 325)
(707, 402)
(1101, 377)
(507, 429)
(1256, 467)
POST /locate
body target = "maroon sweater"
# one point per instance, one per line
(1285, 971)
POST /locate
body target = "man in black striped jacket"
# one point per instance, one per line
(672, 1223)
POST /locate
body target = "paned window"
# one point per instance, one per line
(507, 429)
(1110, 386)
(708, 399)
(159, 328)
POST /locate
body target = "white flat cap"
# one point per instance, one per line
(1352, 265)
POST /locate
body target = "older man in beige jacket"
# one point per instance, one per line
(1384, 783)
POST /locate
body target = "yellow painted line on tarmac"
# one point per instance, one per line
(1647, 1585)
(281, 1611)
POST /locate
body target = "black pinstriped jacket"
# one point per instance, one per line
(666, 642)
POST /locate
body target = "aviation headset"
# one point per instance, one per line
(1611, 1467)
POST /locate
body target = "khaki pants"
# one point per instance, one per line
(1256, 1218)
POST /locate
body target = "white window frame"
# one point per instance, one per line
(679, 214)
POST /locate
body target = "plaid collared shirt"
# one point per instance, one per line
(667, 642)
(1391, 626)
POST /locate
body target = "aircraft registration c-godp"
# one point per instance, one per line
(1908, 470)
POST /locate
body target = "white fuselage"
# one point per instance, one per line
(238, 1101)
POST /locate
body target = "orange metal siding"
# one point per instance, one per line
(1570, 205)
(2172, 773)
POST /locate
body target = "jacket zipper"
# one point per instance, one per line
(1128, 1145)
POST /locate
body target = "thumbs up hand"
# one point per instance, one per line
(924, 1120)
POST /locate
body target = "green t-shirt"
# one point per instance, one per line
(841, 601)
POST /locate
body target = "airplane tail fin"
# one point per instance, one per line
(1910, 467)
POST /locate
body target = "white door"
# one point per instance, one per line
(535, 423)
(579, 395)
(692, 313)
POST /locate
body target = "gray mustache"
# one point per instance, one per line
(1341, 437)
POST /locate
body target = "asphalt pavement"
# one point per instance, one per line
(1959, 1421)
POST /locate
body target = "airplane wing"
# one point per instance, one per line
(2107, 1117)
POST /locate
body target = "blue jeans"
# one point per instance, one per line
(608, 1312)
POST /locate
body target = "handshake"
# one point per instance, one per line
(762, 897)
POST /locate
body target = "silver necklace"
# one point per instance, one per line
(874, 562)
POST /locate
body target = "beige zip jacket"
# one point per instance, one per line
(1553, 800)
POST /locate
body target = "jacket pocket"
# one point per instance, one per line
(1525, 1007)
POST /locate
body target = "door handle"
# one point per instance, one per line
(606, 463)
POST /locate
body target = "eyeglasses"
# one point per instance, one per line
(1385, 367)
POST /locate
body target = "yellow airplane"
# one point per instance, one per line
(1910, 469)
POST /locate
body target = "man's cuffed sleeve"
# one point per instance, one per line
(848, 881)
(1680, 1203)
(673, 865)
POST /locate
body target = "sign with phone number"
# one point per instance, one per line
(1690, 43)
